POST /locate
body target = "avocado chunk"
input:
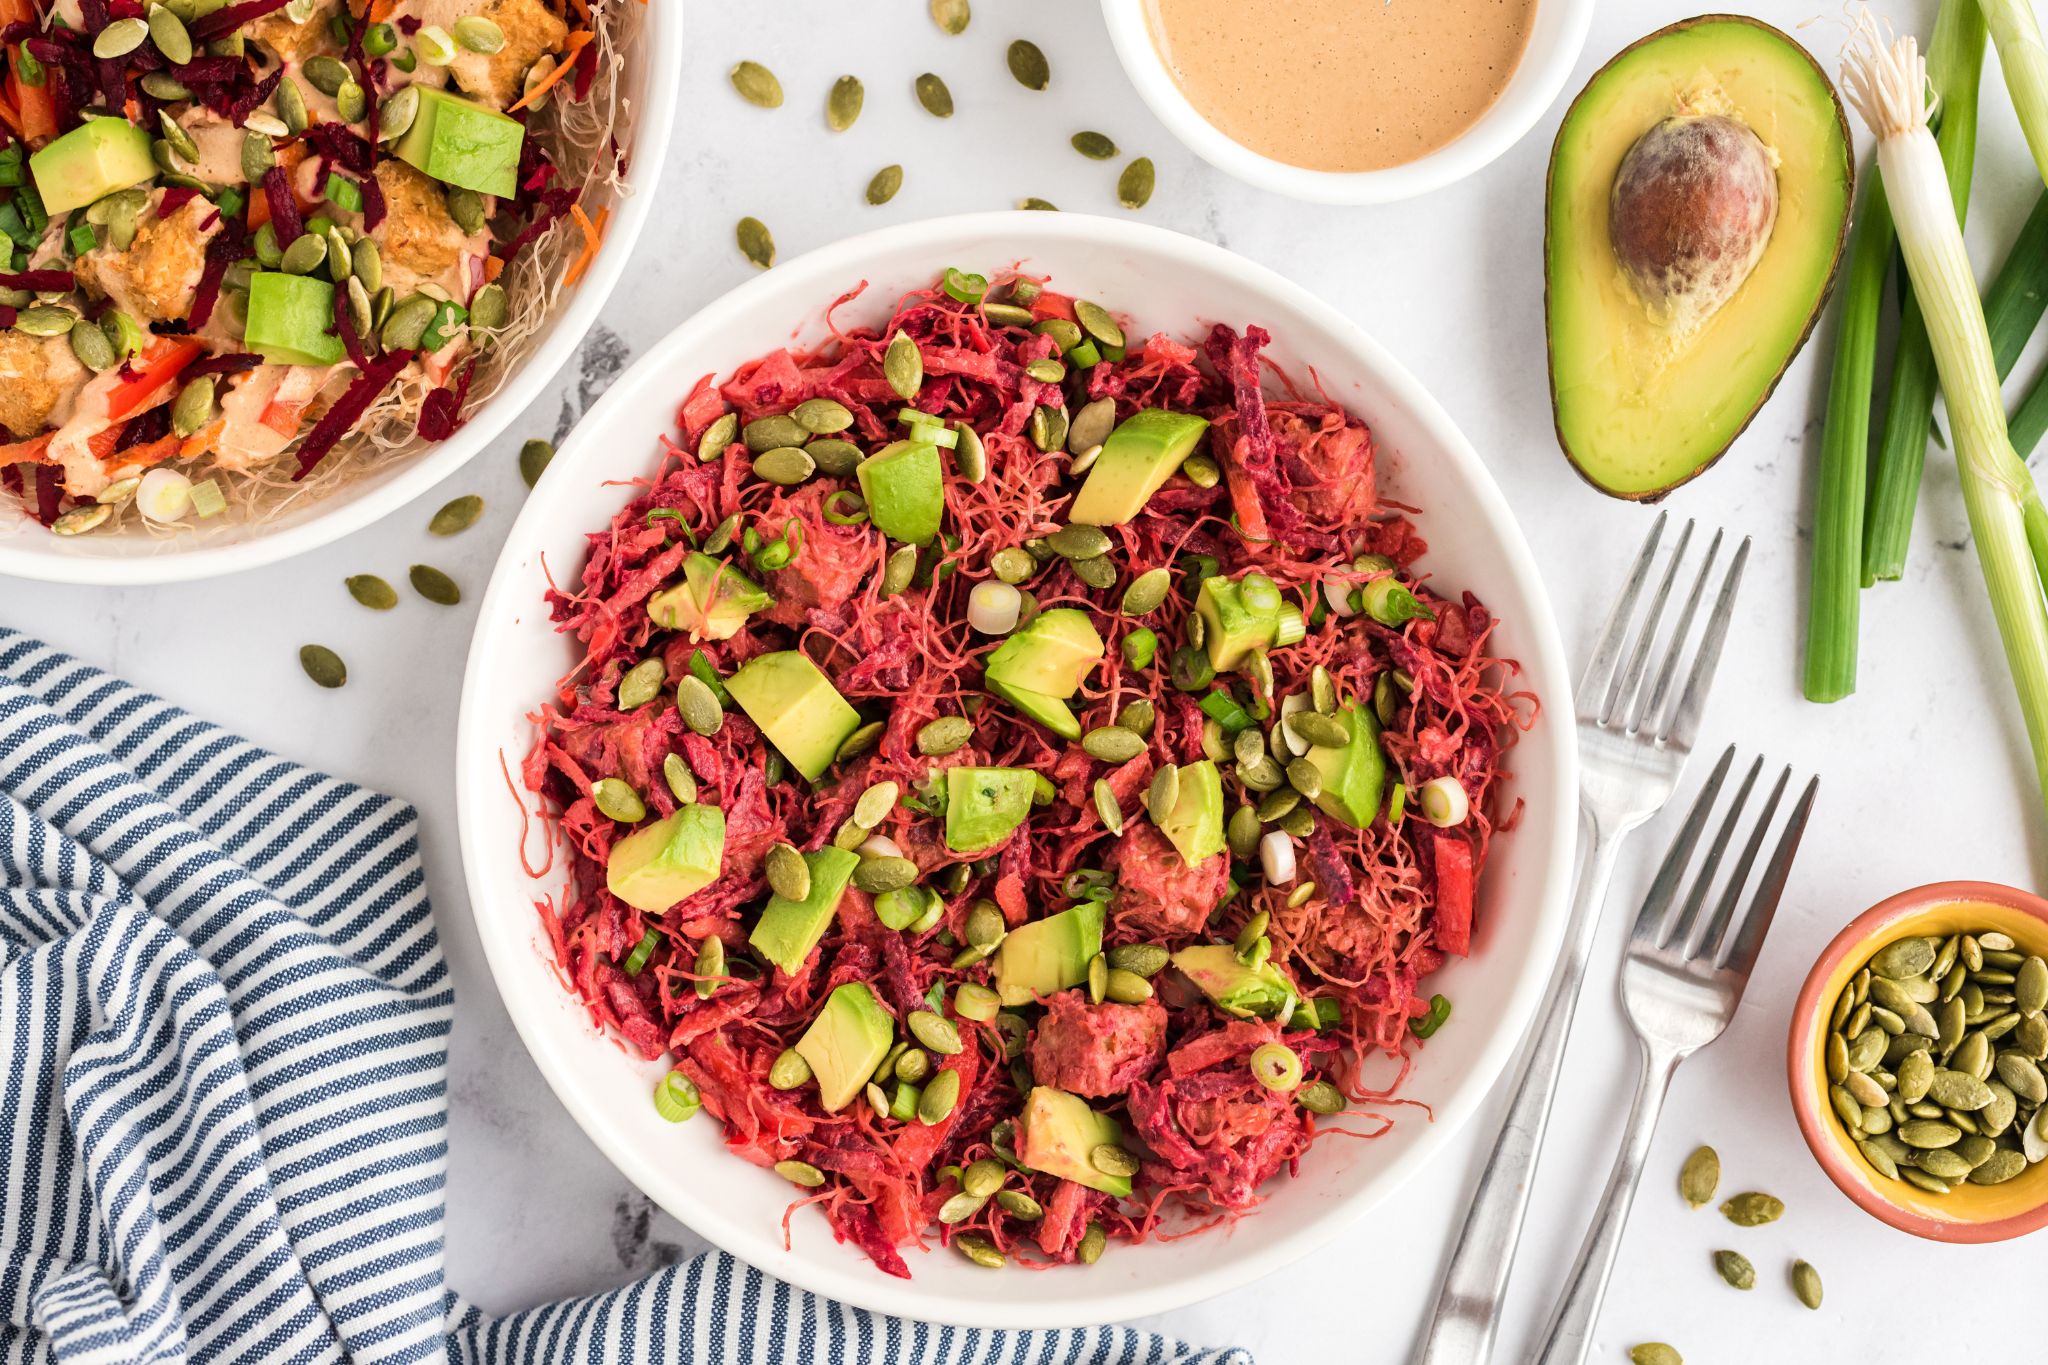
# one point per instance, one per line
(91, 161)
(1355, 776)
(1231, 627)
(905, 490)
(1660, 351)
(1054, 714)
(984, 804)
(787, 929)
(712, 602)
(1259, 992)
(1139, 457)
(1195, 824)
(1049, 655)
(845, 1043)
(460, 142)
(1048, 955)
(796, 706)
(1057, 1133)
(290, 320)
(660, 864)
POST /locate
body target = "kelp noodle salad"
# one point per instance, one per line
(1019, 774)
(248, 248)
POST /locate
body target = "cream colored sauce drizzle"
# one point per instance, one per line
(1341, 85)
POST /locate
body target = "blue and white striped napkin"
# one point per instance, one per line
(223, 1081)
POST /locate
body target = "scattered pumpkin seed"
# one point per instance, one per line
(322, 664)
(757, 85)
(93, 350)
(1107, 808)
(1127, 988)
(1134, 186)
(934, 96)
(1654, 1353)
(437, 587)
(170, 35)
(119, 38)
(903, 366)
(1038, 205)
(458, 514)
(935, 1032)
(785, 465)
(1028, 65)
(709, 967)
(1139, 959)
(900, 568)
(859, 742)
(1094, 146)
(789, 876)
(876, 875)
(979, 1249)
(1112, 744)
(842, 106)
(699, 705)
(682, 783)
(790, 1070)
(800, 1173)
(617, 800)
(44, 320)
(1164, 794)
(951, 16)
(1111, 1159)
(1700, 1176)
(1092, 1243)
(757, 244)
(641, 684)
(533, 460)
(372, 591)
(883, 187)
(1752, 1208)
(1098, 322)
(874, 806)
(1735, 1268)
(942, 736)
(941, 1095)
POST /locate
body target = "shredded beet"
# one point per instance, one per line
(345, 328)
(175, 198)
(223, 249)
(441, 412)
(39, 281)
(1175, 1071)
(348, 409)
(233, 362)
(224, 21)
(284, 208)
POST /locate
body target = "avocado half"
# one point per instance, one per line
(1641, 405)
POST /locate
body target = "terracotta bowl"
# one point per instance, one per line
(1969, 1213)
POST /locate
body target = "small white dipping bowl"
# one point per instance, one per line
(1555, 40)
(1166, 282)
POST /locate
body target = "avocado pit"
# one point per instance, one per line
(1691, 211)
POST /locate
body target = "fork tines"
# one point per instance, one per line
(1619, 688)
(1730, 933)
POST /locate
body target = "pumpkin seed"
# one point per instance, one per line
(322, 664)
(886, 182)
(1933, 1184)
(790, 1070)
(969, 454)
(1996, 942)
(982, 1179)
(1943, 1162)
(899, 570)
(642, 684)
(964, 1205)
(876, 875)
(617, 800)
(1094, 146)
(1699, 1177)
(1111, 1159)
(352, 103)
(93, 349)
(1139, 959)
(1007, 314)
(935, 1032)
(820, 417)
(306, 254)
(395, 116)
(1098, 323)
(457, 515)
(1906, 957)
(119, 38)
(1020, 1205)
(1929, 1133)
(1866, 1049)
(717, 437)
(1138, 717)
(800, 1173)
(951, 16)
(789, 876)
(756, 243)
(1880, 1159)
(1012, 565)
(1202, 470)
(937, 738)
(842, 105)
(756, 85)
(1106, 808)
(1079, 542)
(859, 742)
(934, 96)
(1134, 186)
(170, 35)
(1972, 1056)
(709, 967)
(2030, 986)
(1244, 832)
(1752, 1208)
(1033, 202)
(1028, 65)
(1127, 988)
(408, 322)
(1734, 1267)
(44, 320)
(786, 465)
(1098, 979)
(699, 705)
(1846, 1107)
(979, 1250)
(1092, 423)
(2001, 1166)
(326, 74)
(2022, 1077)
(903, 366)
(164, 86)
(1958, 1090)
(437, 587)
(1112, 744)
(874, 806)
(682, 783)
(1092, 1243)
(361, 317)
(1305, 777)
(940, 1096)
(1654, 1353)
(479, 34)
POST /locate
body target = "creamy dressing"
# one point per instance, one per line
(1341, 85)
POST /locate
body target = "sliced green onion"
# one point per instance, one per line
(700, 666)
(964, 287)
(902, 908)
(229, 202)
(1139, 647)
(343, 193)
(1258, 593)
(1390, 604)
(976, 1002)
(844, 507)
(776, 554)
(1191, 670)
(207, 499)
(1222, 708)
(1426, 1025)
(904, 1106)
(82, 238)
(1290, 629)
(676, 1098)
(1084, 355)
(918, 417)
(1444, 801)
(1276, 1066)
(1196, 568)
(1112, 352)
(642, 950)
(2025, 63)
(1397, 803)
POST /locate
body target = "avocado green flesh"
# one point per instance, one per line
(1231, 630)
(1246, 992)
(845, 1043)
(1195, 824)
(460, 142)
(787, 929)
(1049, 655)
(1640, 409)
(660, 864)
(905, 490)
(1058, 1134)
(91, 161)
(1054, 714)
(1049, 954)
(984, 804)
(796, 706)
(289, 320)
(712, 602)
(1355, 776)
(1139, 457)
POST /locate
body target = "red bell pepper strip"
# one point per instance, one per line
(156, 367)
(1453, 894)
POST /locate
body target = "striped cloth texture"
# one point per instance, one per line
(224, 1019)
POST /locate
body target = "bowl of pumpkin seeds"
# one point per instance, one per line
(1918, 1061)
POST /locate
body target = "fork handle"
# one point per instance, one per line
(1467, 1311)
(1568, 1338)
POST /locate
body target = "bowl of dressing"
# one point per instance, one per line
(1348, 101)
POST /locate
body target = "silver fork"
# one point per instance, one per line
(1635, 733)
(1680, 984)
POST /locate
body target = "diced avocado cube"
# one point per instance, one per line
(459, 142)
(1231, 630)
(660, 864)
(787, 929)
(290, 320)
(1049, 954)
(796, 706)
(905, 490)
(845, 1043)
(984, 804)
(91, 161)
(1136, 461)
(1355, 776)
(1195, 824)
(1057, 1133)
(712, 602)
(1050, 712)
(1247, 992)
(1050, 655)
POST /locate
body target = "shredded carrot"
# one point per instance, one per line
(574, 44)
(382, 10)
(144, 455)
(12, 119)
(593, 237)
(493, 267)
(202, 440)
(102, 444)
(26, 452)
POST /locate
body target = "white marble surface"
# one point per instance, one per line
(1923, 771)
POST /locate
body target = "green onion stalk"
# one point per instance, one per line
(1955, 67)
(2025, 62)
(1887, 85)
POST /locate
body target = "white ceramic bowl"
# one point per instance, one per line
(652, 82)
(1555, 40)
(1168, 282)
